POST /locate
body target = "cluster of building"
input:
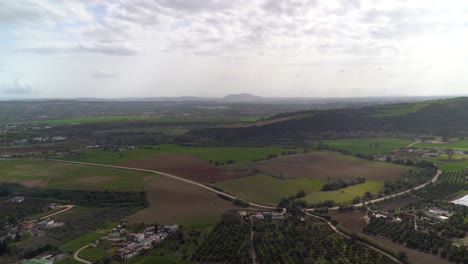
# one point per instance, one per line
(25, 141)
(261, 215)
(46, 258)
(133, 244)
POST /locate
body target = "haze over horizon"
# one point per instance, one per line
(212, 48)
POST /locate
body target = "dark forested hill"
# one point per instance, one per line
(448, 117)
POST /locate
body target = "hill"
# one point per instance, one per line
(443, 117)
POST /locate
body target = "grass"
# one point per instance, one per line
(93, 254)
(401, 109)
(460, 145)
(269, 190)
(57, 175)
(220, 154)
(154, 260)
(368, 145)
(345, 195)
(265, 189)
(104, 119)
(77, 243)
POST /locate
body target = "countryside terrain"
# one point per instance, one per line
(244, 182)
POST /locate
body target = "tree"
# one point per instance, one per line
(300, 194)
(356, 200)
(402, 256)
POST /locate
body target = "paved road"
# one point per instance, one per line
(77, 258)
(345, 236)
(434, 179)
(167, 175)
(67, 207)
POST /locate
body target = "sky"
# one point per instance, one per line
(274, 48)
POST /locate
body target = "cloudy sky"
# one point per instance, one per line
(151, 48)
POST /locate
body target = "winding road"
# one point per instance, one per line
(167, 175)
(77, 258)
(434, 179)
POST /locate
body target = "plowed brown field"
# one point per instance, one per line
(185, 166)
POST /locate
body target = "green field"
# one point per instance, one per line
(104, 119)
(460, 145)
(153, 260)
(220, 154)
(57, 175)
(347, 194)
(77, 243)
(368, 145)
(94, 254)
(269, 190)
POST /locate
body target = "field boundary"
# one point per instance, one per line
(166, 175)
(434, 179)
(336, 230)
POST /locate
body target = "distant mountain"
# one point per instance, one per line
(242, 97)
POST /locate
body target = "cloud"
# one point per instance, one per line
(104, 74)
(44, 11)
(287, 7)
(18, 87)
(198, 5)
(107, 49)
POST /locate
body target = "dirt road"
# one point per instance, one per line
(77, 258)
(67, 207)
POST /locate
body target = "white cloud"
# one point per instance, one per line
(146, 38)
(106, 74)
(18, 87)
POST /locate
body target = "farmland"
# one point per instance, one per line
(450, 185)
(309, 239)
(172, 201)
(460, 145)
(186, 166)
(368, 145)
(322, 165)
(104, 119)
(56, 175)
(215, 154)
(265, 189)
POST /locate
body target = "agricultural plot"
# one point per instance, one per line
(227, 243)
(292, 241)
(449, 185)
(105, 119)
(55, 175)
(186, 166)
(265, 189)
(213, 154)
(323, 165)
(269, 190)
(460, 145)
(368, 145)
(176, 202)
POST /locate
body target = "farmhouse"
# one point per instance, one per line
(139, 237)
(438, 211)
(17, 199)
(38, 261)
(48, 223)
